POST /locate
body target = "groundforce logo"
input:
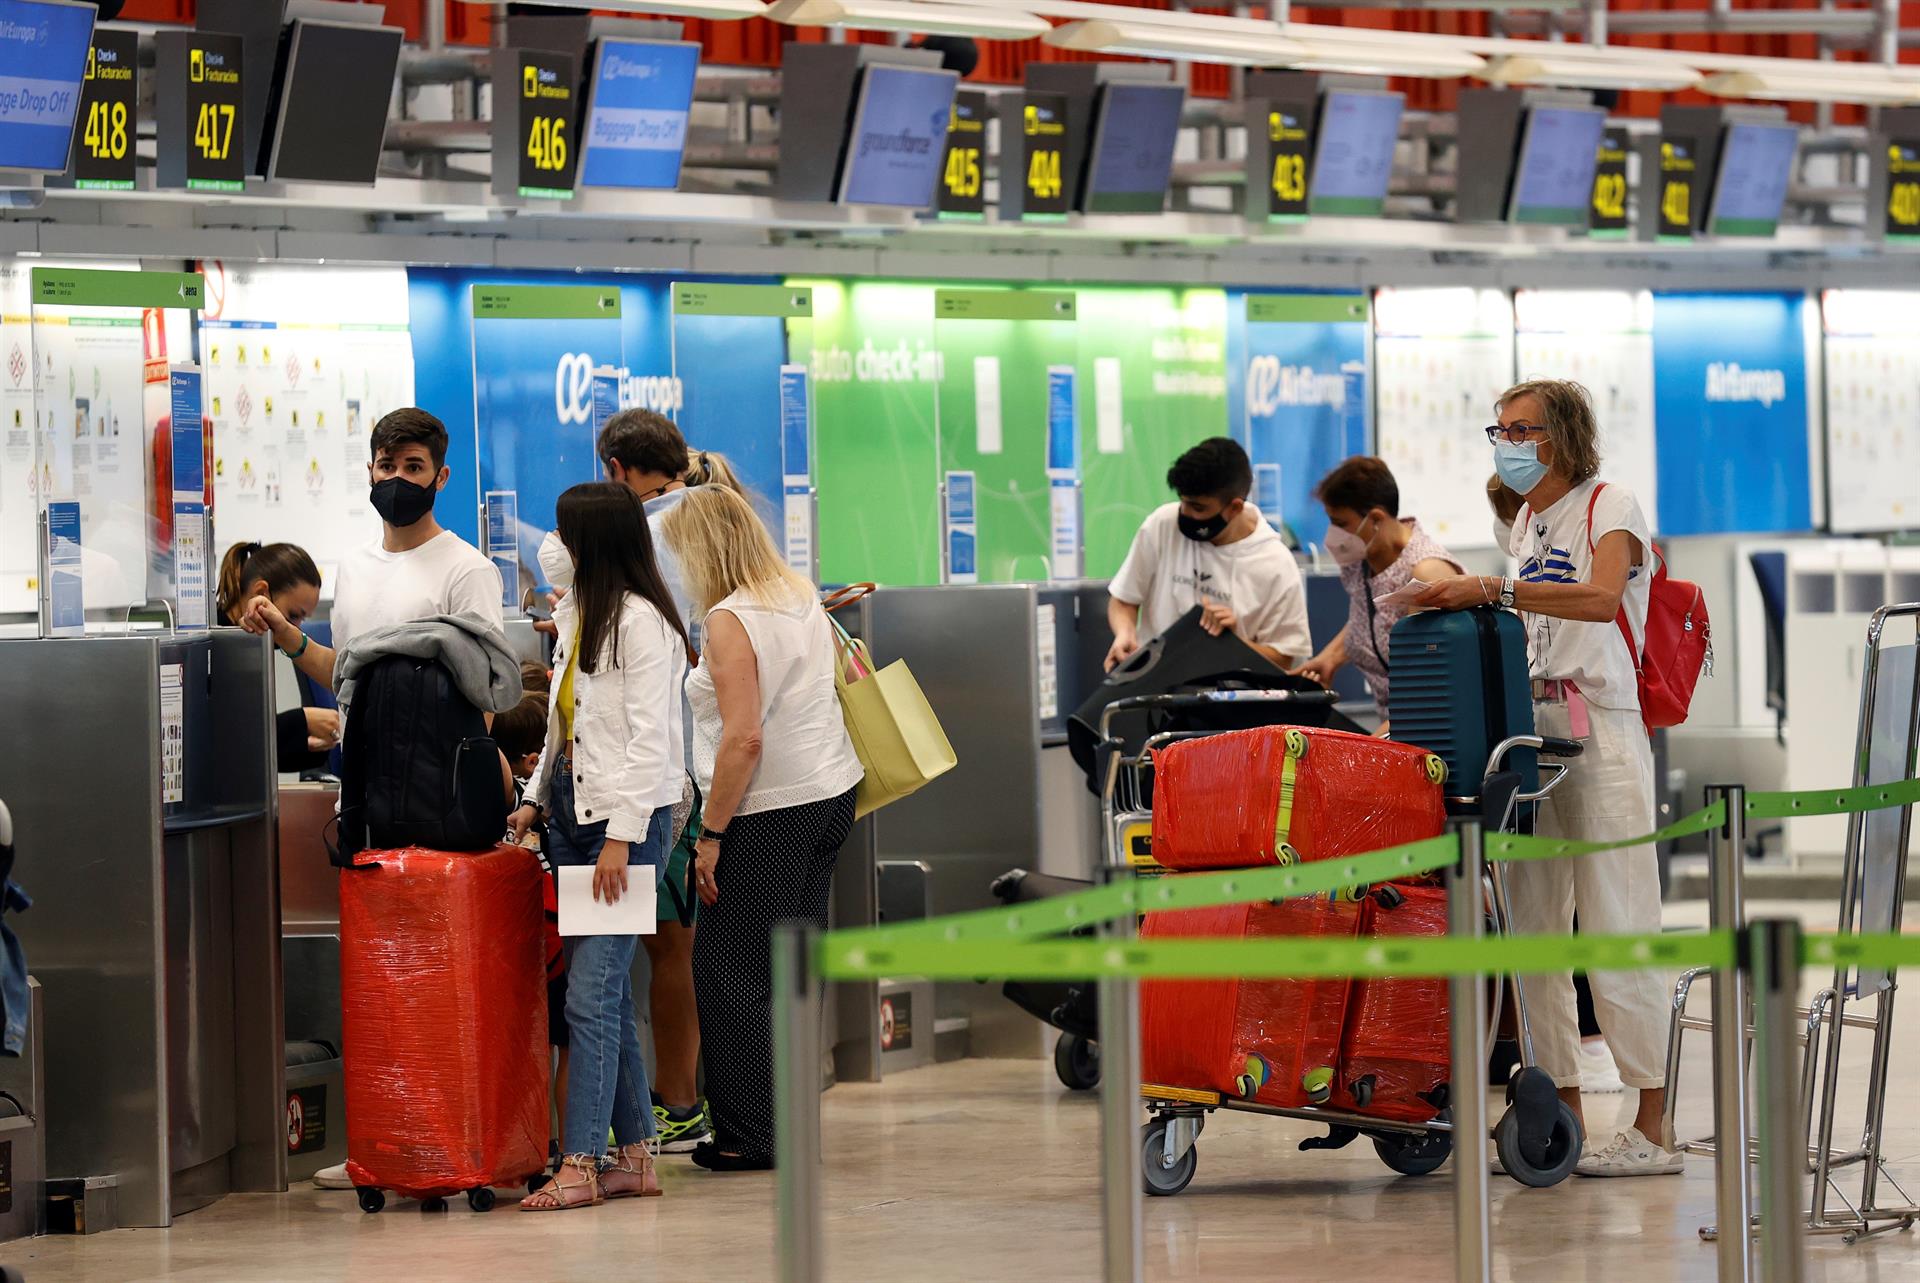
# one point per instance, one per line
(1726, 381)
(573, 390)
(1271, 385)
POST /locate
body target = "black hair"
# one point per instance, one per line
(1361, 483)
(522, 729)
(409, 426)
(644, 441)
(1217, 468)
(604, 527)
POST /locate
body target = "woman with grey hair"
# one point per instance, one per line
(1583, 546)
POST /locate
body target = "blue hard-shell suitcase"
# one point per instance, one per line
(1458, 687)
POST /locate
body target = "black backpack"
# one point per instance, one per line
(417, 765)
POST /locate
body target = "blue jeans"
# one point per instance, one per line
(606, 1076)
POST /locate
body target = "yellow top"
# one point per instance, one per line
(564, 704)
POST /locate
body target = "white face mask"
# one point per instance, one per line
(556, 563)
(1344, 547)
(1503, 533)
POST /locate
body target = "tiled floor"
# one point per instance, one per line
(987, 1171)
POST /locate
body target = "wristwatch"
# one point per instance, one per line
(717, 835)
(1506, 594)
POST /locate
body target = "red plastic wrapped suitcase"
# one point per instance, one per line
(1272, 1041)
(443, 993)
(1395, 1059)
(1284, 793)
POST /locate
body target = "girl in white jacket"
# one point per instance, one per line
(607, 781)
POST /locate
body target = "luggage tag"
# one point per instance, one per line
(1579, 725)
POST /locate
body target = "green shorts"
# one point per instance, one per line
(676, 888)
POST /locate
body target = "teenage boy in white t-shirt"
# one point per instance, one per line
(1214, 550)
(416, 571)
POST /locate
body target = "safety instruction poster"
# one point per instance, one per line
(1873, 409)
(1063, 471)
(1443, 355)
(173, 733)
(796, 468)
(1603, 340)
(299, 364)
(963, 532)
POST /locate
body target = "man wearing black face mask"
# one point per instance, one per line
(1211, 549)
(416, 571)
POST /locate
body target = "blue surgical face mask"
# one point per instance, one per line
(1519, 465)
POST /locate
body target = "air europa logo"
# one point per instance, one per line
(573, 390)
(1727, 381)
(1271, 385)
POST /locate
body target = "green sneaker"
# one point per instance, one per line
(682, 1130)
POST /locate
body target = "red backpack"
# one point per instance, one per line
(1679, 640)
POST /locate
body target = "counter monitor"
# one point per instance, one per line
(1353, 152)
(898, 141)
(315, 133)
(1134, 132)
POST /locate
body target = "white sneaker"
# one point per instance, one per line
(1630, 1154)
(1598, 1074)
(332, 1178)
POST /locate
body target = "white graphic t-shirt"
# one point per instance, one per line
(1166, 574)
(1554, 547)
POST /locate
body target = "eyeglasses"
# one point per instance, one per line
(1518, 434)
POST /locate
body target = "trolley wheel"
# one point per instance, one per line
(1411, 1154)
(1156, 1176)
(1077, 1061)
(371, 1199)
(481, 1199)
(433, 1204)
(1563, 1148)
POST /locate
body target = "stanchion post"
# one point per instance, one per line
(796, 1077)
(1466, 911)
(1120, 1177)
(1773, 953)
(1732, 1109)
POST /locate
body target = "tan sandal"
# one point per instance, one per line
(630, 1173)
(558, 1194)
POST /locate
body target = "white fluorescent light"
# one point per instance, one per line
(1384, 58)
(1794, 87)
(911, 16)
(1198, 44)
(719, 10)
(1589, 73)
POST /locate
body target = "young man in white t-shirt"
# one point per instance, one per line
(416, 571)
(1214, 550)
(1585, 553)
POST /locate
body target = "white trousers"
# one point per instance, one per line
(1608, 795)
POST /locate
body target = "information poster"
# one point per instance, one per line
(796, 468)
(299, 365)
(1298, 367)
(535, 350)
(503, 524)
(1730, 394)
(1063, 471)
(173, 733)
(1873, 409)
(962, 530)
(1443, 356)
(1603, 340)
(65, 571)
(191, 587)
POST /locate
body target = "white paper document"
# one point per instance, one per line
(582, 915)
(1404, 595)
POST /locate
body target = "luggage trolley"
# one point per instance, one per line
(1538, 1138)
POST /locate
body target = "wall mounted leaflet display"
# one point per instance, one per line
(1303, 396)
(1442, 355)
(43, 62)
(1006, 412)
(638, 97)
(103, 430)
(1756, 164)
(963, 186)
(1678, 182)
(898, 141)
(1873, 409)
(739, 355)
(1607, 216)
(103, 144)
(534, 434)
(199, 109)
(315, 132)
(535, 94)
(1353, 152)
(500, 510)
(299, 364)
(1553, 182)
(1603, 340)
(1134, 132)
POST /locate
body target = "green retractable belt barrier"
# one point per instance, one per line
(1012, 943)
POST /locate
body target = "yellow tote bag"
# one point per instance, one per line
(893, 728)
